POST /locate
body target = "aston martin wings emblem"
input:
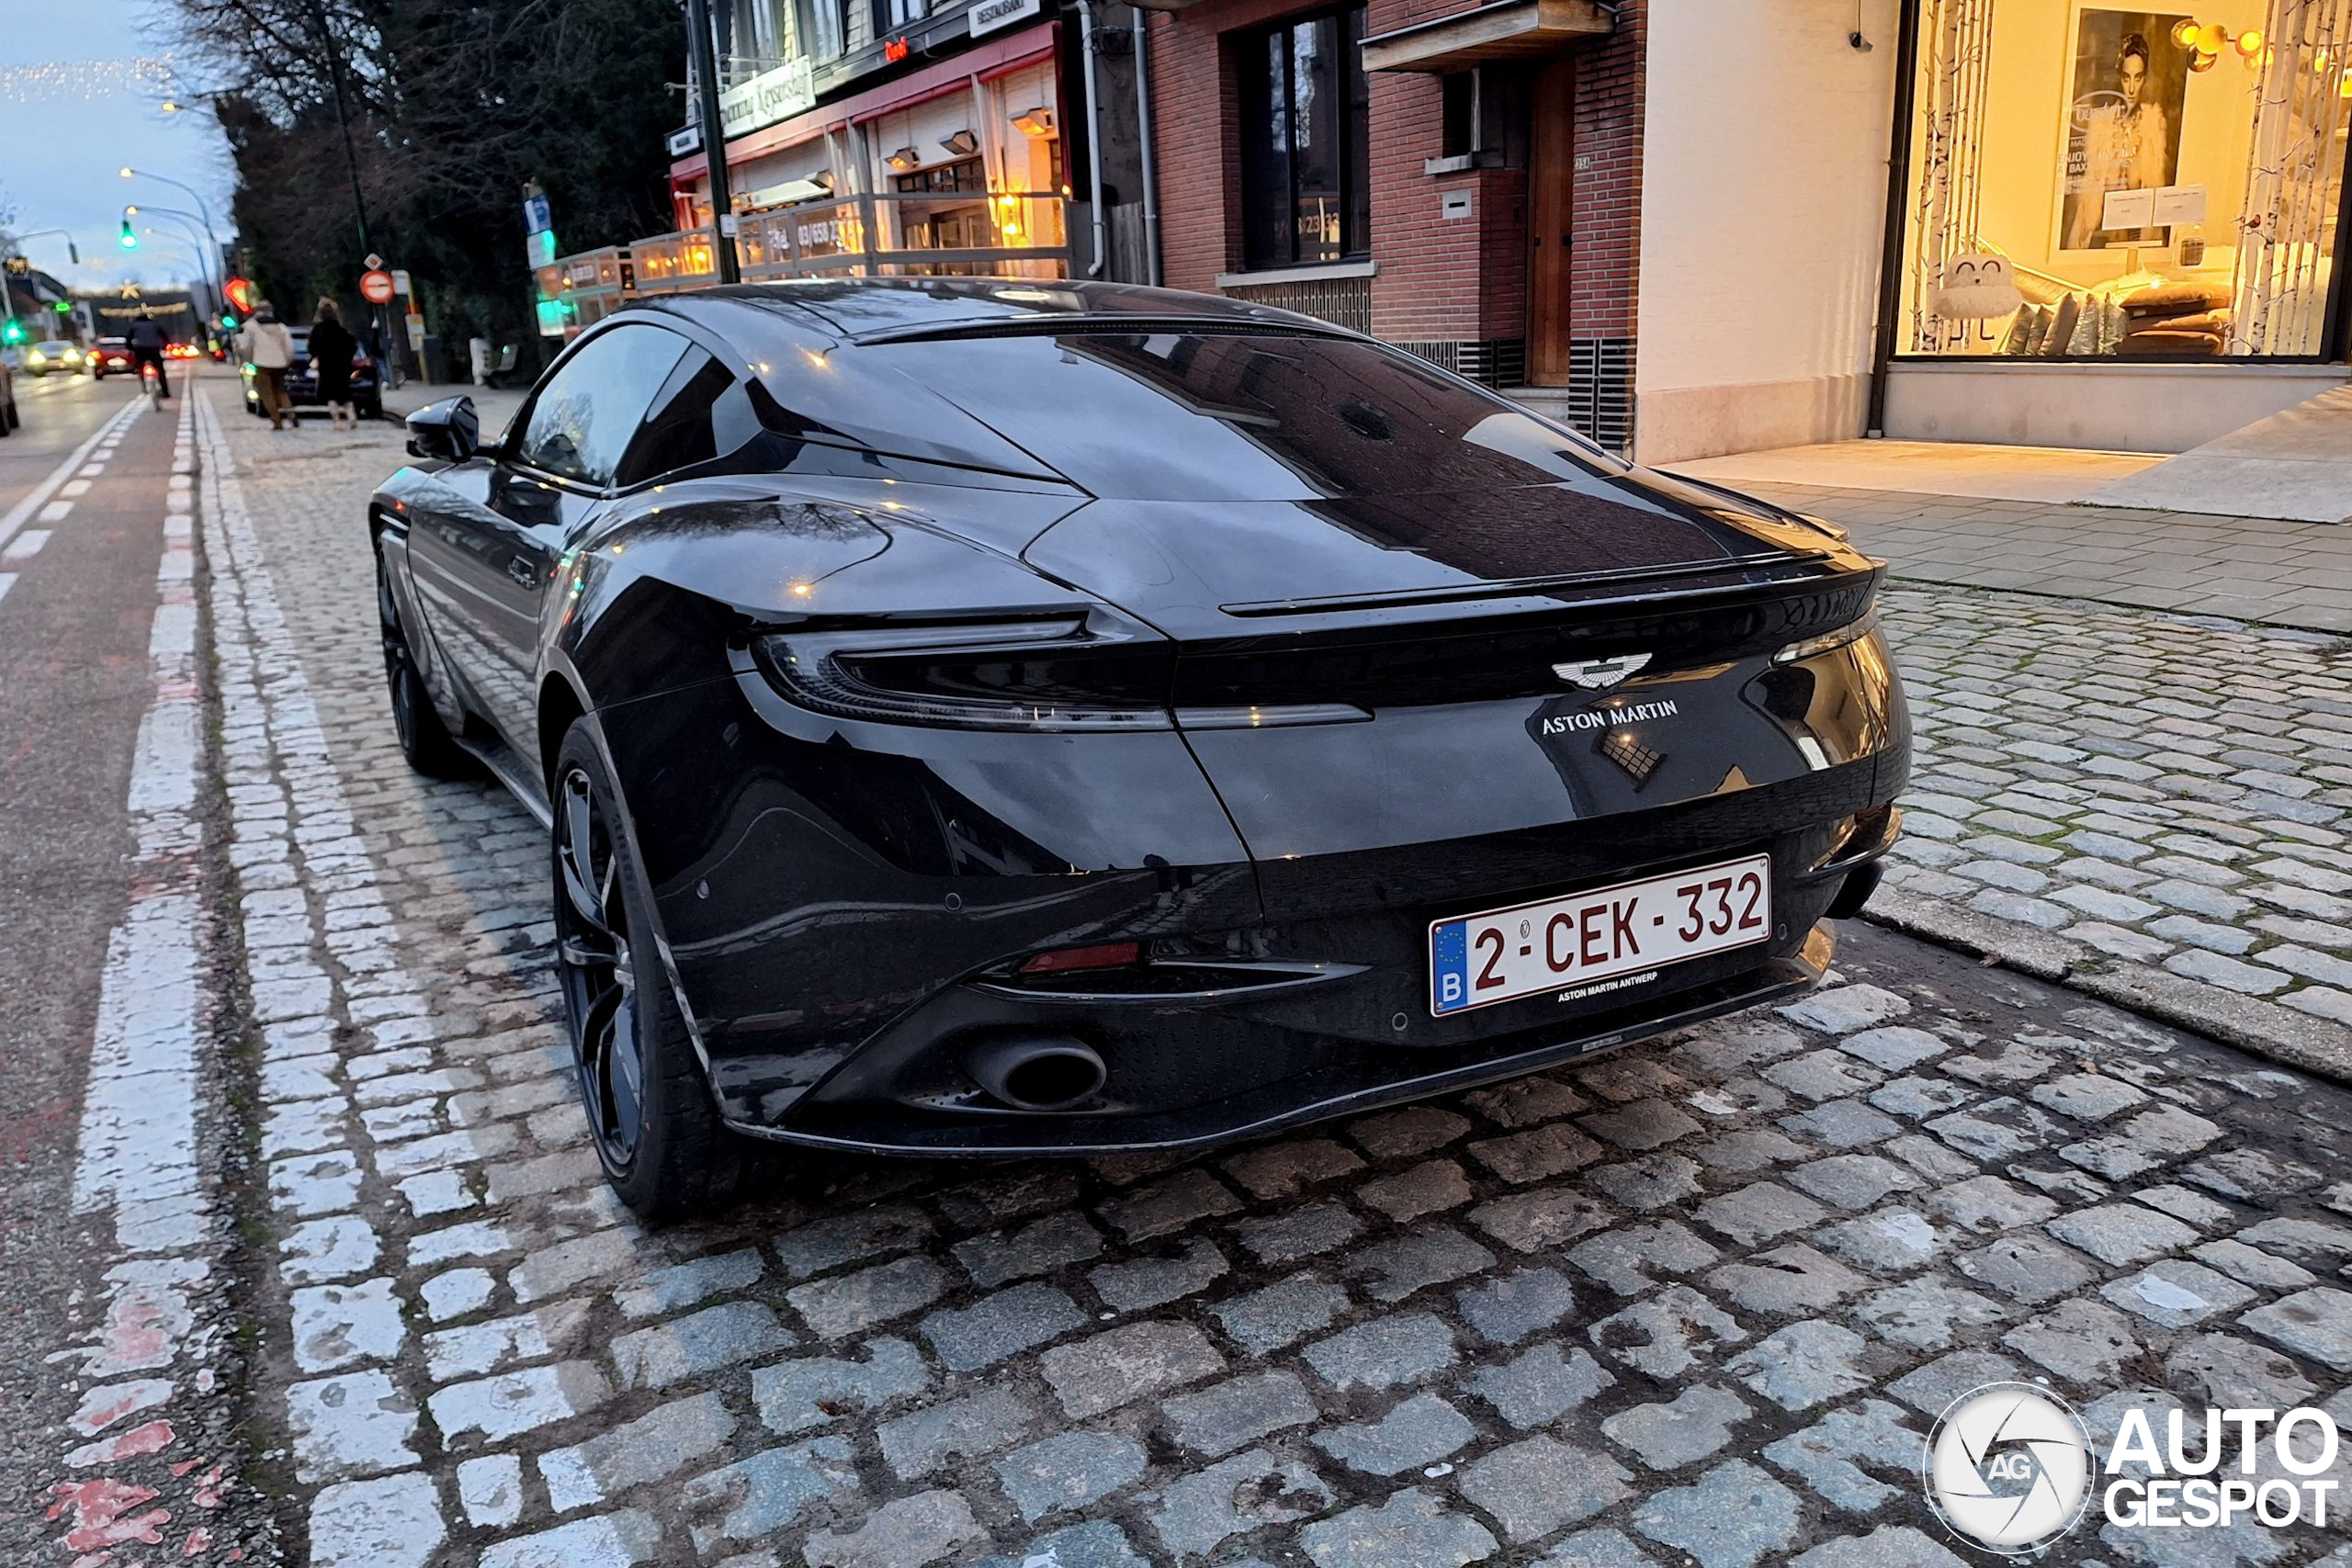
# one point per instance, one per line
(1592, 674)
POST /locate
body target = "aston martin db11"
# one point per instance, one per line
(998, 717)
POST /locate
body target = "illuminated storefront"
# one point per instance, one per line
(2090, 187)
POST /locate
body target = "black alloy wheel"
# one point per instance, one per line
(599, 972)
(651, 1113)
(425, 740)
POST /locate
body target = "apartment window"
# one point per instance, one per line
(1306, 142)
(822, 29)
(751, 36)
(892, 16)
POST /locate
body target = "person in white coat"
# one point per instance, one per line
(268, 347)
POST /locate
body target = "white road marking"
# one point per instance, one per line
(26, 545)
(56, 511)
(92, 470)
(137, 1166)
(8, 580)
(74, 488)
(17, 515)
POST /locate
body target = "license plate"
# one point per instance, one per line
(1608, 933)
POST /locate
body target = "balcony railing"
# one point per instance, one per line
(868, 234)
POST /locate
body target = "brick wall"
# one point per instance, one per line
(1440, 279)
(1604, 269)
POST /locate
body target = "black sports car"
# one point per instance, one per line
(991, 717)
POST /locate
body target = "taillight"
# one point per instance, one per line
(1107, 956)
(1088, 672)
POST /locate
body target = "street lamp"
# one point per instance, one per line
(129, 172)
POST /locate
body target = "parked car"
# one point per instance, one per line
(110, 356)
(8, 420)
(998, 717)
(303, 386)
(53, 354)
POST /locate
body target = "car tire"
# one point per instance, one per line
(652, 1117)
(425, 740)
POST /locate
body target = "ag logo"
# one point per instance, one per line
(2008, 1467)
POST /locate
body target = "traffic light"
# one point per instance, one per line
(63, 307)
(13, 331)
(129, 242)
(228, 323)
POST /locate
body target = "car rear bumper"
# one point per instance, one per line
(1183, 1078)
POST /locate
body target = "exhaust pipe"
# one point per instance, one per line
(1031, 1072)
(1861, 882)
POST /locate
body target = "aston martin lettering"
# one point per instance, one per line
(1608, 718)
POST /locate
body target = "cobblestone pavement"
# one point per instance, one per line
(2256, 568)
(1691, 1303)
(2171, 797)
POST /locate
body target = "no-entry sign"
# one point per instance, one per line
(376, 286)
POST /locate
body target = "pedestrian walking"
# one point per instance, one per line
(147, 341)
(332, 346)
(268, 347)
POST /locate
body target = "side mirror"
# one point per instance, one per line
(448, 430)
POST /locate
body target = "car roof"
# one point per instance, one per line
(861, 310)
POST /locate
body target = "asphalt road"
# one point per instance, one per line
(77, 596)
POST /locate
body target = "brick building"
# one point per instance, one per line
(1478, 199)
(1690, 226)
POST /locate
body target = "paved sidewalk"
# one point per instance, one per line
(2255, 568)
(2157, 805)
(1693, 1303)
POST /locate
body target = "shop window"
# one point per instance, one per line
(946, 225)
(964, 173)
(2116, 182)
(1306, 142)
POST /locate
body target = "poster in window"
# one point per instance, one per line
(2131, 82)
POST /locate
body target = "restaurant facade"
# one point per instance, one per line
(892, 138)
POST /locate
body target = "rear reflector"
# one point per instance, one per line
(1111, 955)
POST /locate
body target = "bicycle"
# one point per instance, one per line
(151, 383)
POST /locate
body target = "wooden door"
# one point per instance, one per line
(1551, 185)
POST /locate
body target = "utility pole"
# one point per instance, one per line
(714, 141)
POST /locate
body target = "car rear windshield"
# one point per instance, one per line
(1214, 416)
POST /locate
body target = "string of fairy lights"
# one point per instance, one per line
(54, 80)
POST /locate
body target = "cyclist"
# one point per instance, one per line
(147, 340)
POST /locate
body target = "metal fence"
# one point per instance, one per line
(1019, 234)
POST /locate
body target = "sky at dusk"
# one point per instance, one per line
(75, 105)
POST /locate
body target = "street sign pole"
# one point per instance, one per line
(714, 142)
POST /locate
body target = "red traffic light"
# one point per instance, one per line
(240, 296)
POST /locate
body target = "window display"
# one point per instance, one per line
(2096, 181)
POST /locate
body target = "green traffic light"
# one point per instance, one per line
(129, 241)
(64, 307)
(14, 331)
